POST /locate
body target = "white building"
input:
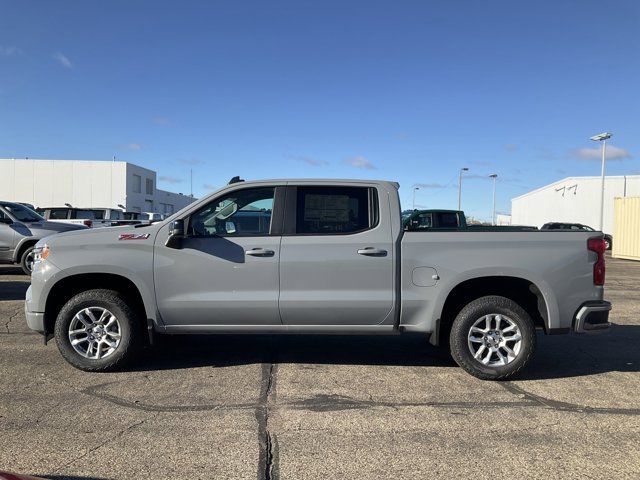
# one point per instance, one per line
(86, 183)
(575, 200)
(503, 219)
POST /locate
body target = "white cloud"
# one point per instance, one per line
(208, 186)
(314, 162)
(134, 146)
(429, 185)
(9, 51)
(613, 153)
(360, 162)
(168, 179)
(510, 147)
(62, 60)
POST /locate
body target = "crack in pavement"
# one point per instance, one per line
(334, 402)
(560, 406)
(136, 405)
(268, 455)
(17, 312)
(118, 435)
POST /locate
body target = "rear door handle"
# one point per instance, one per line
(260, 252)
(372, 252)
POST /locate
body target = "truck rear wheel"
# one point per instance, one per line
(97, 330)
(492, 338)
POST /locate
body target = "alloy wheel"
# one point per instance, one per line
(494, 340)
(94, 332)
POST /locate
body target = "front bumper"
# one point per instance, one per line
(592, 316)
(35, 320)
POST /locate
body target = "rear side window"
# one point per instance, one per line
(448, 220)
(334, 210)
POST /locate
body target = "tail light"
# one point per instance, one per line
(598, 246)
(88, 223)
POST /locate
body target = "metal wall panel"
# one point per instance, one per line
(626, 234)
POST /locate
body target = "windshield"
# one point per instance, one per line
(22, 213)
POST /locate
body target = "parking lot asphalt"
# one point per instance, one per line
(296, 407)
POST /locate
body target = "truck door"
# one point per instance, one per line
(336, 260)
(226, 271)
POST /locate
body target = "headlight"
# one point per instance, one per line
(41, 253)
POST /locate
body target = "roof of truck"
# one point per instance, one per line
(319, 180)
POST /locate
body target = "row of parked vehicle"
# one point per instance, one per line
(22, 225)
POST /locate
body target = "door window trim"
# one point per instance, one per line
(291, 210)
(277, 214)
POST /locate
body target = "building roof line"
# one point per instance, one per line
(567, 179)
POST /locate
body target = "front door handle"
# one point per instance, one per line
(372, 252)
(260, 252)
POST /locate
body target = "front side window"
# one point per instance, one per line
(240, 213)
(423, 221)
(58, 213)
(333, 210)
(88, 214)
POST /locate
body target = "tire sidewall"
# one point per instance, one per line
(470, 315)
(23, 260)
(94, 299)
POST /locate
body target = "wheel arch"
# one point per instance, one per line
(22, 246)
(531, 296)
(65, 288)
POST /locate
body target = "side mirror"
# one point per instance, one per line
(6, 220)
(176, 234)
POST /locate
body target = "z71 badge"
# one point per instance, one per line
(133, 236)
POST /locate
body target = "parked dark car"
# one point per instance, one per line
(608, 239)
(450, 220)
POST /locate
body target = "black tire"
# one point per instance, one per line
(130, 330)
(469, 315)
(24, 260)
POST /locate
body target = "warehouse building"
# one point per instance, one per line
(86, 183)
(574, 200)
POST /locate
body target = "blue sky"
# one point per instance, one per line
(402, 90)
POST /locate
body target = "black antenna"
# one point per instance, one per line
(235, 179)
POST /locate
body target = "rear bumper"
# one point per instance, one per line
(592, 316)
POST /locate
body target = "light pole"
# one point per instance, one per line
(465, 169)
(602, 137)
(414, 196)
(493, 216)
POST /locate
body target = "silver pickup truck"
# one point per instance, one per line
(314, 256)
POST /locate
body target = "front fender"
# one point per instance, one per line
(47, 275)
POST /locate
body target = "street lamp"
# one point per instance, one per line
(414, 196)
(602, 137)
(493, 216)
(465, 169)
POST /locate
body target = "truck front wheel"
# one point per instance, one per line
(97, 330)
(492, 338)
